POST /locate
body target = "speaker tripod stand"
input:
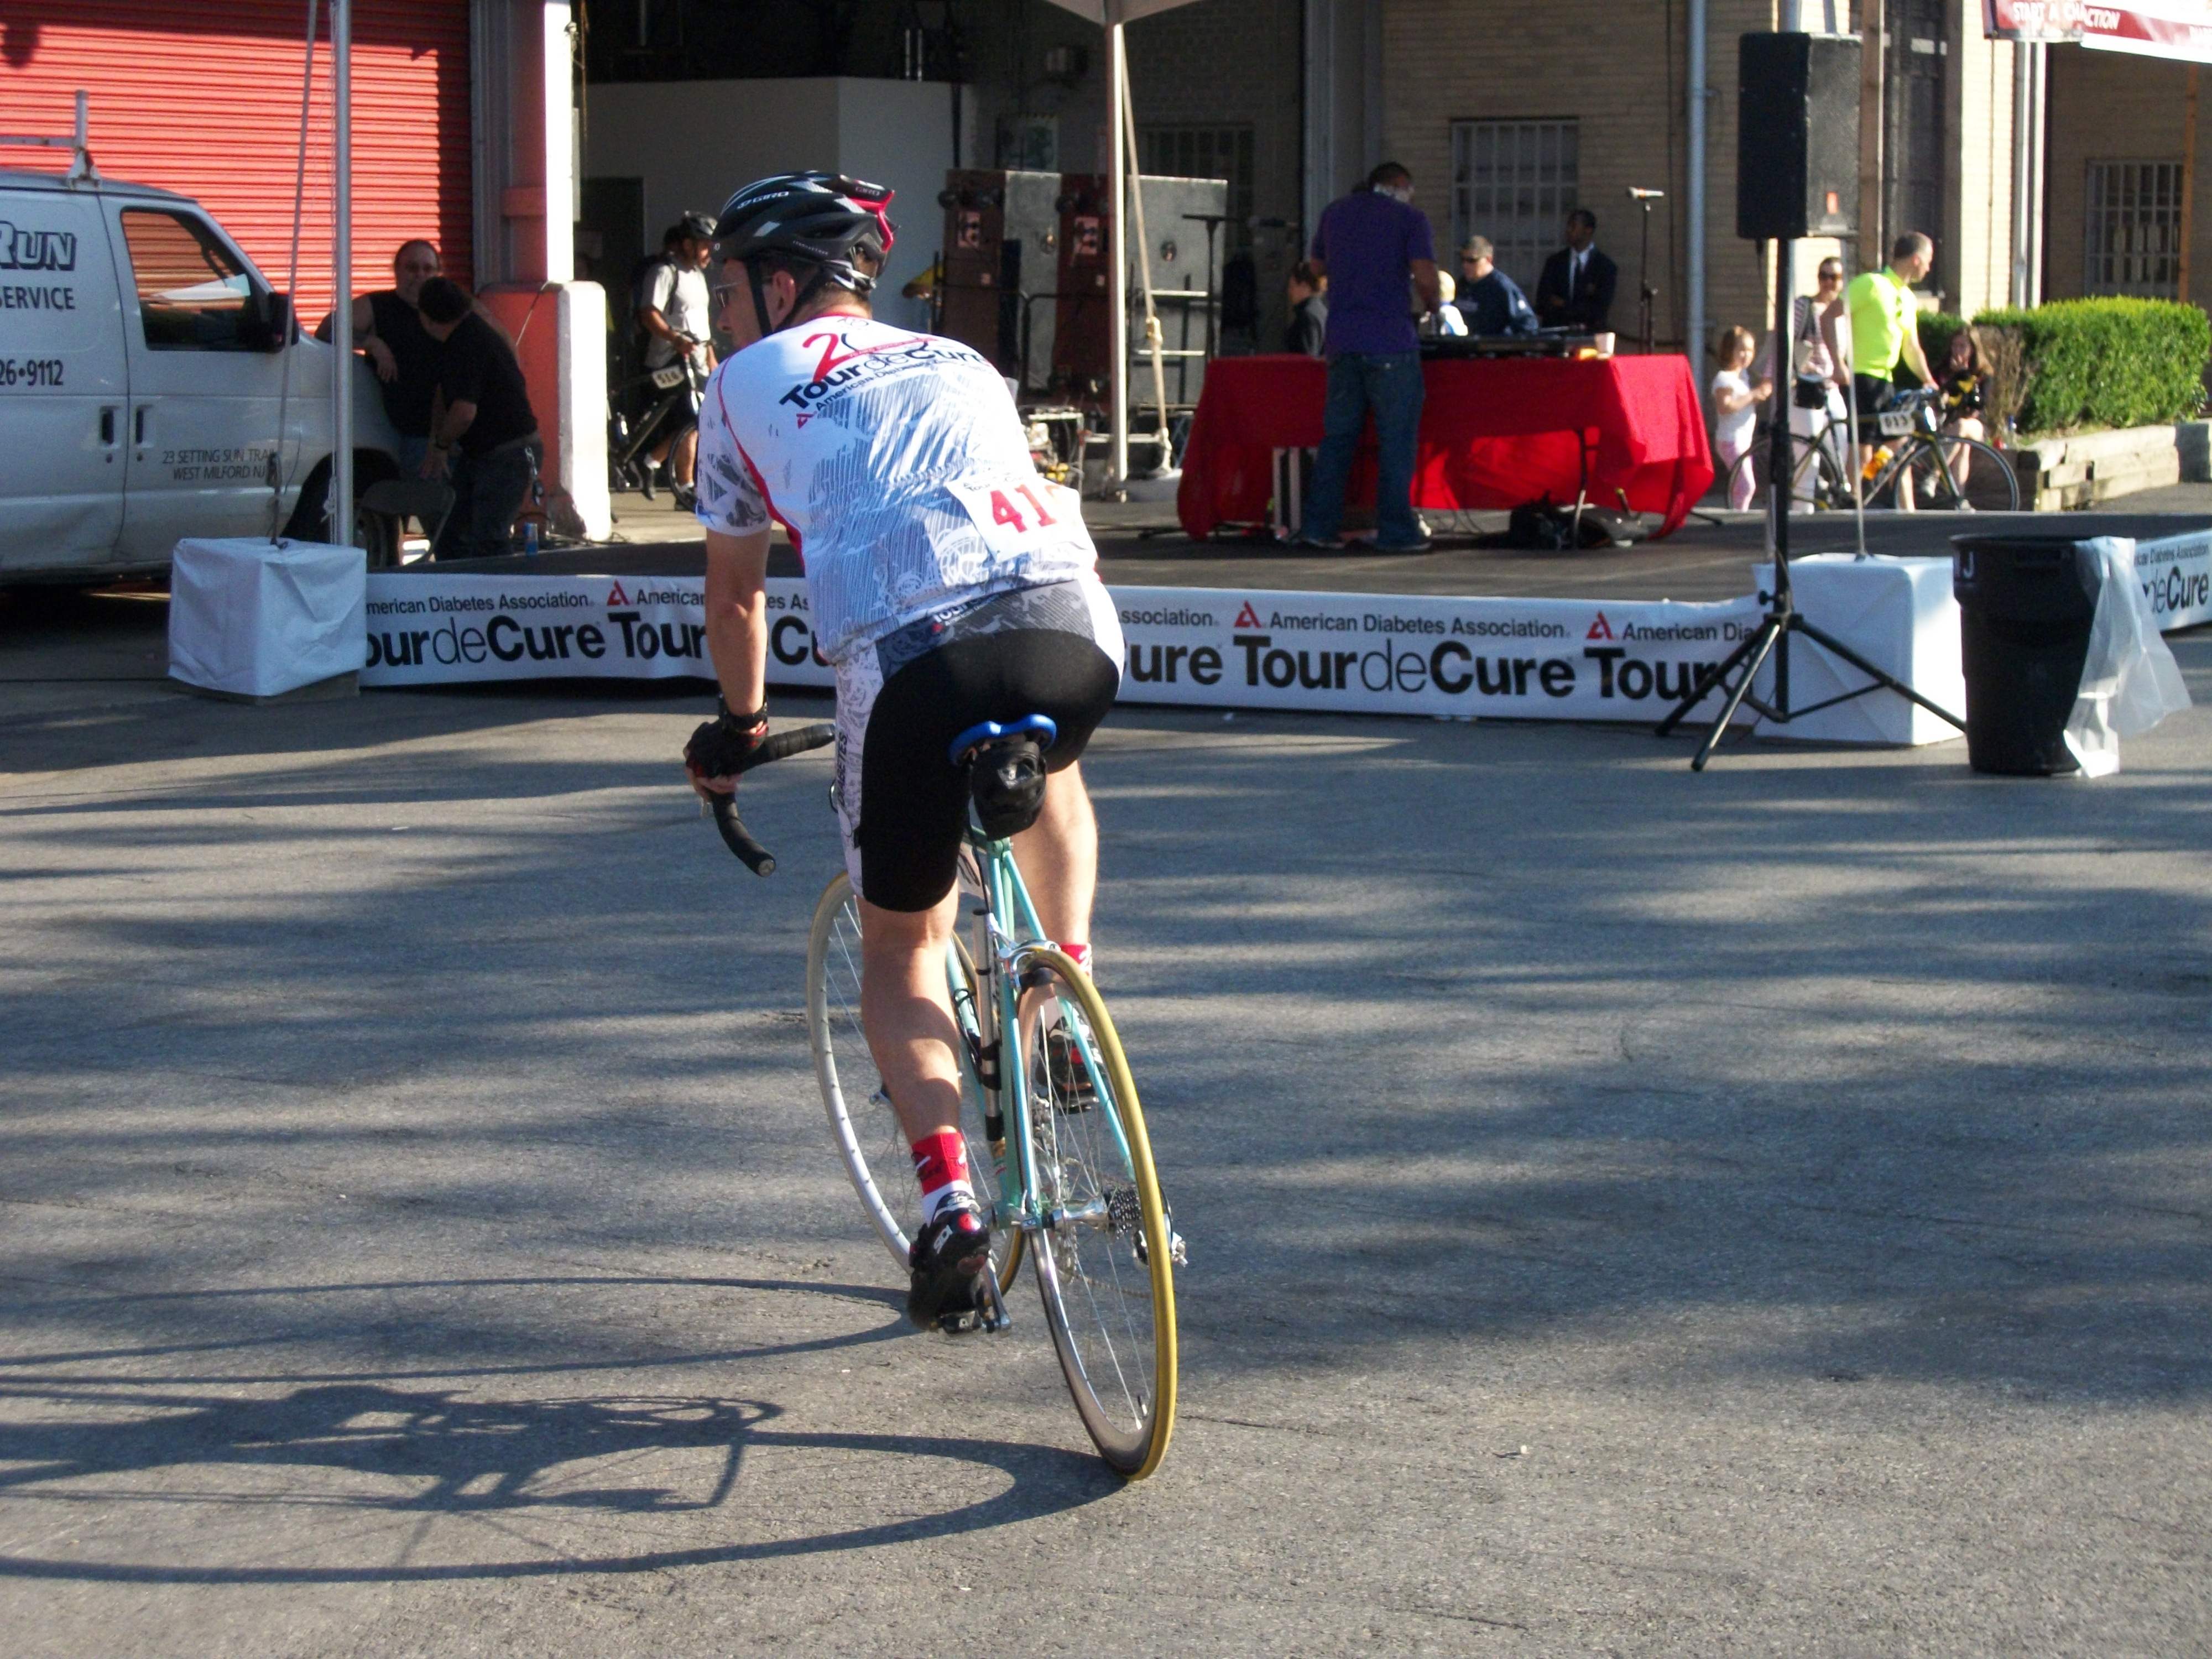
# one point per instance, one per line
(1782, 618)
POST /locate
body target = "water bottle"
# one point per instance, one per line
(529, 538)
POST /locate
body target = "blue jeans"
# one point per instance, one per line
(489, 490)
(1389, 383)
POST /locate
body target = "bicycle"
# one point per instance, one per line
(1057, 1149)
(1948, 472)
(626, 463)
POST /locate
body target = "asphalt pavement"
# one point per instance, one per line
(1630, 1211)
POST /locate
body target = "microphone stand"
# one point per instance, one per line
(1649, 297)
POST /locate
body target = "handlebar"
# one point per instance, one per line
(797, 740)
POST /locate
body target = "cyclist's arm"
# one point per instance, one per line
(737, 616)
(1913, 353)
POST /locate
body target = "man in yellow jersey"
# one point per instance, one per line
(1885, 327)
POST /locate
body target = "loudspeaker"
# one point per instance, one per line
(1797, 135)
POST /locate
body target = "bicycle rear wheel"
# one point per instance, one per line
(1107, 1252)
(1817, 483)
(874, 1149)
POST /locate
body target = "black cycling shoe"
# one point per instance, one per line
(948, 1260)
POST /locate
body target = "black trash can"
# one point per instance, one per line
(2025, 606)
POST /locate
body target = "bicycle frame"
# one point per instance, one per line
(992, 1027)
(1903, 459)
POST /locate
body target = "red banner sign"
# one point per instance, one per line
(2155, 28)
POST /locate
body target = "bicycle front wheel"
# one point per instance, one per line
(1951, 474)
(867, 1131)
(1106, 1266)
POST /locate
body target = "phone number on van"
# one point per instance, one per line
(30, 371)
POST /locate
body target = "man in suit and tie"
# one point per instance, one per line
(1575, 290)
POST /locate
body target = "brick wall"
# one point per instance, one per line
(2113, 106)
(1619, 72)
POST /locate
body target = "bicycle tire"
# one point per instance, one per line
(1832, 490)
(862, 1125)
(1107, 1282)
(1990, 484)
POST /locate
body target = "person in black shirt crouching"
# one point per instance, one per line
(489, 425)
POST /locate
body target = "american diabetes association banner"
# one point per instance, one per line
(1218, 648)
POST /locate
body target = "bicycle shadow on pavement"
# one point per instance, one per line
(507, 1472)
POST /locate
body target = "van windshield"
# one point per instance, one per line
(192, 290)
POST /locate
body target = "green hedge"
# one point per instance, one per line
(2112, 363)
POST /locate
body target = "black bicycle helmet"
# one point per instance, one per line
(700, 226)
(820, 217)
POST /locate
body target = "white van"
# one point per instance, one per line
(142, 359)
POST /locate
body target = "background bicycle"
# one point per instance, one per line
(1916, 466)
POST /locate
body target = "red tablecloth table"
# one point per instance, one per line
(1495, 432)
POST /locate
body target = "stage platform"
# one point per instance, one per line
(1141, 546)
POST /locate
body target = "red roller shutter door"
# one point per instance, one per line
(204, 100)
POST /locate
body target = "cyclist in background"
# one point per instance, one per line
(673, 313)
(949, 586)
(1886, 328)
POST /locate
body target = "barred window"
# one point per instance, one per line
(2132, 228)
(1513, 181)
(1207, 153)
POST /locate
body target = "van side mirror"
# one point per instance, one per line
(266, 322)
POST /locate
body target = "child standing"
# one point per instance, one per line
(1736, 399)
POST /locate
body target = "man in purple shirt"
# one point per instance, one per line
(1370, 245)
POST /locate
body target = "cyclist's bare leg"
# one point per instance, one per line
(904, 1005)
(906, 1013)
(685, 454)
(1059, 857)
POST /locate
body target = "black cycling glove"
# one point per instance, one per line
(726, 745)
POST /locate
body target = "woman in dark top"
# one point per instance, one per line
(1964, 378)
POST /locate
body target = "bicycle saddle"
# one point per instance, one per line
(1005, 771)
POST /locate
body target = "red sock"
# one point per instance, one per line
(940, 1165)
(1078, 953)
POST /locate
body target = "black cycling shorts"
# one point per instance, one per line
(903, 804)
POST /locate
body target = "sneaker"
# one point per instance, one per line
(1422, 544)
(686, 498)
(645, 480)
(948, 1260)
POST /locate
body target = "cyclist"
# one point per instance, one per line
(672, 314)
(948, 585)
(1885, 328)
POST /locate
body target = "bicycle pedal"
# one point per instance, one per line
(989, 1314)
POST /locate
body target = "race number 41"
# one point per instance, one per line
(1010, 514)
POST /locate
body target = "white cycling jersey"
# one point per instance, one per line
(897, 463)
